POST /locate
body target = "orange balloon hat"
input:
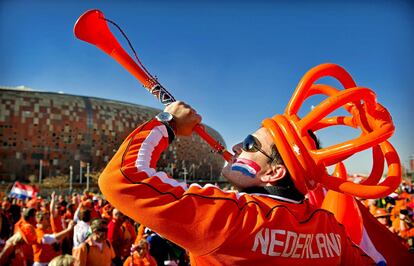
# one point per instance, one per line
(344, 207)
(307, 164)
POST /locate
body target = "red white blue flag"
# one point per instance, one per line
(23, 191)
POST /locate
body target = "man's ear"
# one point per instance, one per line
(274, 173)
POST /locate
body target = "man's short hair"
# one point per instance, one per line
(85, 215)
(29, 213)
(98, 224)
(40, 215)
(62, 260)
(277, 159)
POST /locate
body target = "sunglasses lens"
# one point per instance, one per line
(249, 144)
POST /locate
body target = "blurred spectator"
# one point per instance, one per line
(75, 199)
(14, 213)
(63, 260)
(159, 248)
(35, 203)
(106, 212)
(86, 195)
(47, 244)
(5, 224)
(13, 252)
(88, 203)
(101, 202)
(396, 213)
(166, 252)
(129, 235)
(96, 250)
(18, 248)
(140, 255)
(67, 242)
(62, 201)
(406, 227)
(116, 236)
(70, 211)
(56, 213)
(58, 220)
(81, 231)
(383, 218)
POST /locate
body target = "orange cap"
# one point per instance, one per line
(380, 212)
(306, 164)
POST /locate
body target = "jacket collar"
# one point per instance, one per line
(288, 194)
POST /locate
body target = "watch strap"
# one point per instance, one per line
(170, 130)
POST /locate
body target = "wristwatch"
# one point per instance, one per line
(168, 120)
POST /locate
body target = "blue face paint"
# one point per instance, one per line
(243, 170)
(246, 167)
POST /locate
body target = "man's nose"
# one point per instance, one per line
(237, 149)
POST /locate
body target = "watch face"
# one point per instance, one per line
(164, 116)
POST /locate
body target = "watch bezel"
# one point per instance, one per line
(164, 117)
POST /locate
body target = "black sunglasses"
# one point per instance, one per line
(102, 230)
(252, 144)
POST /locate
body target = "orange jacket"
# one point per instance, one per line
(56, 222)
(43, 252)
(219, 227)
(89, 254)
(136, 260)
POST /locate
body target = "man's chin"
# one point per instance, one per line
(227, 173)
(234, 177)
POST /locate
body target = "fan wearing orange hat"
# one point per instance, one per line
(269, 222)
(384, 218)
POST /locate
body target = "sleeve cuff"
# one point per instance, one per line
(170, 130)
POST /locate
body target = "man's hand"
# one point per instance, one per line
(185, 117)
(71, 225)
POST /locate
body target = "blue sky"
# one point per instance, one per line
(236, 62)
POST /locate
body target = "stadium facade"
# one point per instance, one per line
(60, 130)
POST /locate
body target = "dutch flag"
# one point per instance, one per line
(23, 191)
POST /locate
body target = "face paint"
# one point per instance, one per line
(246, 167)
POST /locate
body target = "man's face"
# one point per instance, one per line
(246, 169)
(142, 248)
(383, 220)
(117, 215)
(32, 220)
(5, 205)
(43, 220)
(100, 234)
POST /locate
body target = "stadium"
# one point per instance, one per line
(50, 132)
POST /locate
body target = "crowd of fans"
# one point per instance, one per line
(78, 230)
(396, 213)
(87, 230)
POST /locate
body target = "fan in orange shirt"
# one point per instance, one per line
(140, 255)
(56, 214)
(97, 249)
(129, 236)
(18, 249)
(47, 245)
(270, 223)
